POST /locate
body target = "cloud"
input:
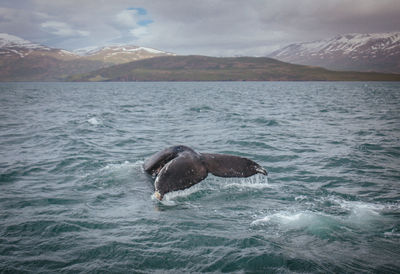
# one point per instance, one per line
(210, 27)
(139, 32)
(248, 28)
(127, 18)
(63, 29)
(132, 24)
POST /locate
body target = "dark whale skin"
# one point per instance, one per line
(180, 167)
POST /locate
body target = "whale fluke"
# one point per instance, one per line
(224, 165)
(180, 167)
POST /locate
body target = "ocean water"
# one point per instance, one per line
(74, 196)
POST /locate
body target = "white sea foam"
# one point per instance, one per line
(255, 182)
(359, 213)
(358, 209)
(290, 219)
(246, 185)
(122, 166)
(171, 196)
(391, 234)
(362, 208)
(300, 198)
(260, 221)
(117, 167)
(165, 201)
(362, 213)
(93, 121)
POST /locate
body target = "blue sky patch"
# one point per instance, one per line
(140, 11)
(145, 22)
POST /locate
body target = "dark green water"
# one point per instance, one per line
(74, 197)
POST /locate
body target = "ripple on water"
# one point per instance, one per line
(74, 196)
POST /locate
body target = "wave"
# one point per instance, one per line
(291, 219)
(265, 122)
(201, 109)
(122, 166)
(359, 209)
(94, 121)
(392, 234)
(328, 216)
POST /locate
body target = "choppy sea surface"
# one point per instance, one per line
(74, 196)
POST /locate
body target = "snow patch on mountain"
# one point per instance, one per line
(345, 43)
(118, 54)
(367, 52)
(13, 46)
(11, 41)
(117, 49)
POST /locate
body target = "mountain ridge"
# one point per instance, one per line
(205, 68)
(118, 54)
(362, 52)
(23, 60)
(14, 46)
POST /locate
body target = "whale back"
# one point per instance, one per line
(224, 165)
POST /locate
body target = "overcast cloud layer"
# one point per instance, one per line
(208, 27)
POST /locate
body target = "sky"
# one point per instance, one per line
(207, 27)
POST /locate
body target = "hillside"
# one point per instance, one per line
(358, 52)
(43, 68)
(203, 68)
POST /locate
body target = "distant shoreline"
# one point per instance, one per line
(203, 68)
(191, 68)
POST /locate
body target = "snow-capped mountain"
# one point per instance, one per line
(13, 46)
(22, 60)
(116, 49)
(363, 52)
(11, 41)
(118, 54)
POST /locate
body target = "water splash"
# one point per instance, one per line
(115, 167)
(172, 198)
(290, 219)
(254, 182)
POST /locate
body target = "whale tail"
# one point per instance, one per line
(223, 165)
(179, 173)
(180, 167)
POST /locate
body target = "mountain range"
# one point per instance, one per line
(358, 52)
(22, 60)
